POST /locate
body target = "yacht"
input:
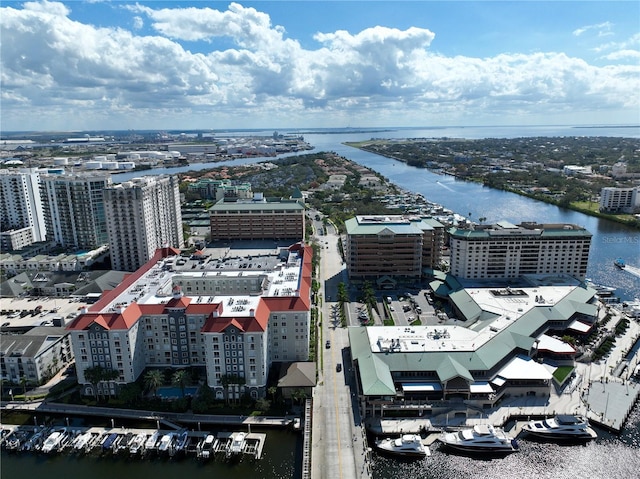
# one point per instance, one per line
(480, 438)
(561, 427)
(405, 445)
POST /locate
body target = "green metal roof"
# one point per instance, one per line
(256, 205)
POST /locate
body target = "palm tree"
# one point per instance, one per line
(153, 379)
(94, 375)
(180, 379)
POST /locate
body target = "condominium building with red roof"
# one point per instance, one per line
(230, 316)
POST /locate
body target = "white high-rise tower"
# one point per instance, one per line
(20, 203)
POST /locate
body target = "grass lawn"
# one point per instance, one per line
(561, 373)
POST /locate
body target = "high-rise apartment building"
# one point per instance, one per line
(142, 215)
(21, 205)
(395, 246)
(74, 209)
(505, 250)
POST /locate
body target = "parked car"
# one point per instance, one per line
(338, 367)
(327, 344)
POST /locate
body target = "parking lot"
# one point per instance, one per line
(30, 312)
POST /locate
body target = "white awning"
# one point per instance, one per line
(481, 387)
(548, 343)
(421, 387)
(522, 367)
(580, 326)
(498, 381)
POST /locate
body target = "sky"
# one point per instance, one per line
(104, 64)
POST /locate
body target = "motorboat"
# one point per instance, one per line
(150, 444)
(619, 262)
(137, 444)
(53, 442)
(166, 443)
(405, 445)
(207, 448)
(561, 427)
(236, 446)
(480, 438)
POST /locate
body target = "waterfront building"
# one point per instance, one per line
(505, 250)
(258, 219)
(143, 214)
(21, 211)
(392, 246)
(495, 347)
(233, 317)
(74, 209)
(35, 355)
(620, 200)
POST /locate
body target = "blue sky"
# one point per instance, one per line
(83, 65)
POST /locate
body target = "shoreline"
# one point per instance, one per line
(623, 221)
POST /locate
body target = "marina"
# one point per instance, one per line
(132, 442)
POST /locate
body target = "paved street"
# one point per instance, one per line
(338, 446)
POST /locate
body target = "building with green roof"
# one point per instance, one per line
(504, 250)
(392, 246)
(490, 351)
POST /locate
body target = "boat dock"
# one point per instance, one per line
(132, 442)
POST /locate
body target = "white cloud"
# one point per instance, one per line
(138, 23)
(60, 73)
(601, 29)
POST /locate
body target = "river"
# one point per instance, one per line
(610, 240)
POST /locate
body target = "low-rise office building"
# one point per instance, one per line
(492, 350)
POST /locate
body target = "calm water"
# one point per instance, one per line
(281, 455)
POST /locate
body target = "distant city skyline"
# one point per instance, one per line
(96, 65)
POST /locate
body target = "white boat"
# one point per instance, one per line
(166, 442)
(236, 446)
(405, 445)
(207, 448)
(137, 444)
(150, 445)
(81, 442)
(561, 427)
(480, 438)
(53, 441)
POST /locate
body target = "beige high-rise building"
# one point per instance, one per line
(142, 214)
(505, 250)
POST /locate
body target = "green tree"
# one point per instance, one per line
(180, 379)
(153, 379)
(94, 375)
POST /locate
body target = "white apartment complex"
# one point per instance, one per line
(625, 200)
(21, 207)
(232, 316)
(505, 250)
(142, 215)
(74, 209)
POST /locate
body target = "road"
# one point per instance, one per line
(338, 446)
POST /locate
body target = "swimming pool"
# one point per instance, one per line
(172, 392)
